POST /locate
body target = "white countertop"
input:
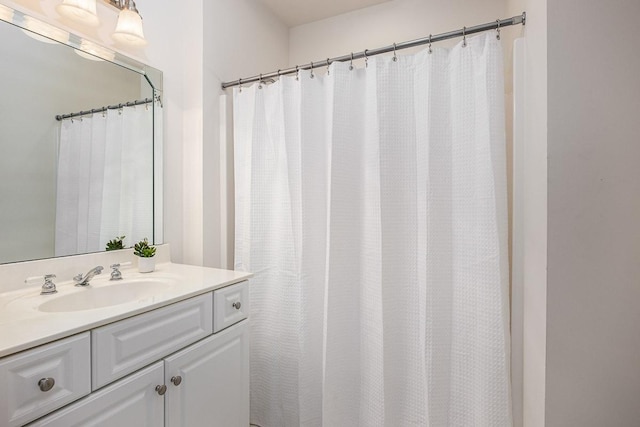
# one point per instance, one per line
(23, 325)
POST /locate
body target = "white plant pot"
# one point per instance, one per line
(146, 265)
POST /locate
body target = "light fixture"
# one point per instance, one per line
(82, 11)
(6, 13)
(44, 32)
(129, 27)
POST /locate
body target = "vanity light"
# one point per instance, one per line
(82, 11)
(6, 13)
(44, 32)
(129, 27)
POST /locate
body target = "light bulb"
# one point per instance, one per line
(129, 29)
(82, 11)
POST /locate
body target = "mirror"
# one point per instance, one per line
(78, 127)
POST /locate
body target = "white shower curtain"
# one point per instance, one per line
(105, 180)
(371, 206)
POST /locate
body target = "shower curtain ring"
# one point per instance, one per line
(395, 57)
(464, 36)
(297, 73)
(311, 63)
(430, 50)
(328, 63)
(498, 29)
(240, 85)
(260, 82)
(366, 59)
(351, 63)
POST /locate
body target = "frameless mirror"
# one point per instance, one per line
(78, 127)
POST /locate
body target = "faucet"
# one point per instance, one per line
(84, 281)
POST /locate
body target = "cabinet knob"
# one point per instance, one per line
(161, 389)
(176, 380)
(236, 305)
(46, 384)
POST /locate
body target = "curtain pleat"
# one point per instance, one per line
(371, 206)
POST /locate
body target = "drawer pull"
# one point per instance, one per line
(161, 389)
(236, 305)
(176, 380)
(46, 384)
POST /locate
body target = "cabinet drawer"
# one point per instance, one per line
(125, 346)
(132, 401)
(65, 361)
(230, 305)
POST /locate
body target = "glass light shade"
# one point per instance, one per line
(44, 32)
(129, 29)
(95, 52)
(82, 11)
(6, 13)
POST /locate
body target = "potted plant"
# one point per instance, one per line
(145, 253)
(115, 244)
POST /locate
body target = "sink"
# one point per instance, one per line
(107, 295)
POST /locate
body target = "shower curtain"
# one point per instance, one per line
(104, 180)
(371, 206)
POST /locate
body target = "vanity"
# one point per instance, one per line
(166, 348)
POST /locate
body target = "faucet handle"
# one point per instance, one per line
(78, 277)
(115, 273)
(48, 287)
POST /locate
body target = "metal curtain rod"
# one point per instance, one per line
(497, 24)
(103, 109)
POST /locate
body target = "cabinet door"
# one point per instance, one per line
(214, 381)
(132, 401)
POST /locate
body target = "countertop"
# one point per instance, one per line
(23, 325)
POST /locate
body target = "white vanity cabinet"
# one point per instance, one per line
(164, 367)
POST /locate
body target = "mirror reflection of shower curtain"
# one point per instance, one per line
(105, 180)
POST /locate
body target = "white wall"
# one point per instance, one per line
(386, 23)
(593, 304)
(174, 32)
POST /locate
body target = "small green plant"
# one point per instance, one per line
(143, 249)
(115, 244)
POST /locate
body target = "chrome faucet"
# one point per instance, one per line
(84, 281)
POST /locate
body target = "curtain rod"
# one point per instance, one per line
(103, 109)
(495, 25)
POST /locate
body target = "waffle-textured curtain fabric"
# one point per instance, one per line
(371, 204)
(104, 180)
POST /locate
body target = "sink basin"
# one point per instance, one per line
(106, 296)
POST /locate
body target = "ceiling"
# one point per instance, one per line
(298, 12)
